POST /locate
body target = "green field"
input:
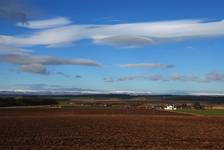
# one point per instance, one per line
(212, 112)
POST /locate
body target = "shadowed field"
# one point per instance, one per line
(44, 128)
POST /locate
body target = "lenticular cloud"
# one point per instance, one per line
(122, 35)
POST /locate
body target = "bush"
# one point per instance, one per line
(197, 106)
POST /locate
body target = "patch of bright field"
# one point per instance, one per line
(212, 112)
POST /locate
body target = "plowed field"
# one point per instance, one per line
(67, 129)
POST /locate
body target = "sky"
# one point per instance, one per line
(156, 46)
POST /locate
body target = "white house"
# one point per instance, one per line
(170, 107)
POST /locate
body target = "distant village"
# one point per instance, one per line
(139, 105)
(108, 102)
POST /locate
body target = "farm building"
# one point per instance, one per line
(170, 107)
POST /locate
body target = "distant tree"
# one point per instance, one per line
(197, 106)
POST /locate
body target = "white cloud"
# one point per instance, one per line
(43, 24)
(50, 37)
(123, 35)
(147, 65)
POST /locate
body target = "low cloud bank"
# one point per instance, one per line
(37, 64)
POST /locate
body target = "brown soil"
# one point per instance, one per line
(107, 129)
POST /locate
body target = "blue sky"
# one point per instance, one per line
(141, 45)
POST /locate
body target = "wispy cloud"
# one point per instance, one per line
(37, 64)
(154, 77)
(207, 78)
(48, 23)
(125, 41)
(62, 74)
(67, 75)
(214, 76)
(122, 35)
(26, 59)
(128, 78)
(40, 86)
(4, 49)
(147, 65)
(107, 19)
(108, 79)
(180, 77)
(34, 68)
